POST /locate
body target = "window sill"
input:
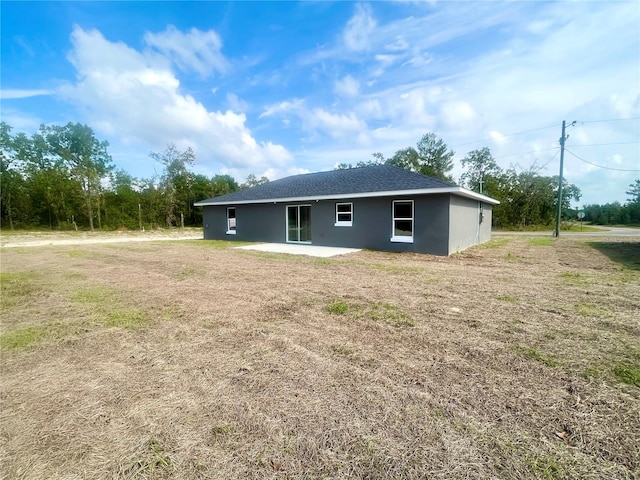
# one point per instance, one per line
(343, 224)
(231, 232)
(402, 239)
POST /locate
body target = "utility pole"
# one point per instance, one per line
(563, 138)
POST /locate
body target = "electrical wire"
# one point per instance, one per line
(609, 120)
(551, 126)
(601, 166)
(524, 153)
(551, 159)
(603, 144)
(505, 136)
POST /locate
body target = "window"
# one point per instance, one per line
(231, 220)
(402, 221)
(344, 214)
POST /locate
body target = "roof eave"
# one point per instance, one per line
(463, 192)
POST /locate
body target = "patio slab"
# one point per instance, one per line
(297, 249)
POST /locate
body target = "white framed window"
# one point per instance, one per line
(231, 220)
(402, 223)
(344, 214)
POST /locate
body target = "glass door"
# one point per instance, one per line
(299, 223)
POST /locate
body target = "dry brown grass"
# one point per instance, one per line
(193, 360)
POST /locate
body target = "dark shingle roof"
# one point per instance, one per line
(377, 178)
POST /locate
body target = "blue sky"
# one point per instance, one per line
(279, 88)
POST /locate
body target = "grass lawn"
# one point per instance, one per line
(518, 359)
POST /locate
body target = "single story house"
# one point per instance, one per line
(379, 207)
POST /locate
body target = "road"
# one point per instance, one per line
(609, 232)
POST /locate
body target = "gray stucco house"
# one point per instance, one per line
(379, 207)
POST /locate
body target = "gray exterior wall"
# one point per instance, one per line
(255, 223)
(487, 222)
(372, 223)
(466, 229)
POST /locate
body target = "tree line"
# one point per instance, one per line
(615, 213)
(62, 177)
(527, 199)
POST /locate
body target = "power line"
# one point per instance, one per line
(552, 126)
(551, 159)
(610, 120)
(524, 153)
(602, 166)
(603, 144)
(504, 136)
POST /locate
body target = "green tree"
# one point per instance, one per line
(223, 184)
(253, 181)
(482, 172)
(634, 192)
(407, 158)
(569, 192)
(10, 178)
(378, 159)
(122, 201)
(431, 157)
(527, 198)
(152, 205)
(436, 159)
(56, 195)
(176, 182)
(87, 159)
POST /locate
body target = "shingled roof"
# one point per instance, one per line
(371, 181)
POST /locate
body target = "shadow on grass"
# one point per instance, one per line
(627, 254)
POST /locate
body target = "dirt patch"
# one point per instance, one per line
(190, 359)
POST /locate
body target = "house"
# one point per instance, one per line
(379, 207)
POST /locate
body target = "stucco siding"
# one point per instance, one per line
(466, 229)
(254, 223)
(432, 224)
(214, 222)
(372, 224)
(487, 221)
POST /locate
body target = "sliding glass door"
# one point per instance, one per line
(299, 223)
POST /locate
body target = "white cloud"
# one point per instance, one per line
(336, 125)
(358, 31)
(498, 138)
(472, 76)
(315, 121)
(384, 62)
(347, 86)
(398, 44)
(457, 114)
(294, 105)
(540, 27)
(7, 94)
(193, 51)
(136, 96)
(275, 173)
(419, 59)
(236, 103)
(370, 108)
(19, 121)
